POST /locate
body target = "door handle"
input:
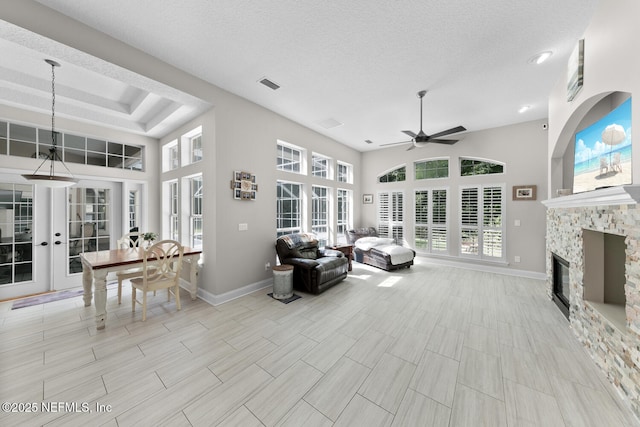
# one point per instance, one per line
(44, 243)
(57, 242)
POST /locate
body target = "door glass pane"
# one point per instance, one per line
(16, 241)
(89, 223)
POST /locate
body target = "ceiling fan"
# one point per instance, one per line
(421, 139)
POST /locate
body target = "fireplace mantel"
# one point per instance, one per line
(620, 195)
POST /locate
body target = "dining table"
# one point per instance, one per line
(98, 264)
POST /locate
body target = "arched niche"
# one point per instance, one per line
(590, 111)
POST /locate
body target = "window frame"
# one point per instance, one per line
(431, 160)
(390, 171)
(344, 201)
(324, 172)
(317, 222)
(430, 224)
(480, 228)
(281, 147)
(279, 213)
(481, 160)
(195, 212)
(348, 174)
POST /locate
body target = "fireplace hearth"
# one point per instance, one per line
(561, 289)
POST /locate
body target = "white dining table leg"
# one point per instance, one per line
(100, 284)
(193, 276)
(87, 283)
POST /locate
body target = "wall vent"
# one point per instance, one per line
(368, 141)
(330, 123)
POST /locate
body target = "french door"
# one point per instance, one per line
(43, 231)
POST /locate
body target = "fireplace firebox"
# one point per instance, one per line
(561, 290)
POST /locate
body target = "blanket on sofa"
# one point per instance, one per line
(397, 254)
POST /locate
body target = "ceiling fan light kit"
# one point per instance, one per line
(52, 180)
(421, 139)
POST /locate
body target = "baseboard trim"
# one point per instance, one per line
(214, 299)
(484, 267)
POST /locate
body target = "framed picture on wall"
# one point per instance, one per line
(524, 192)
(244, 185)
(367, 199)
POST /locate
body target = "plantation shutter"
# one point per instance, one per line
(492, 222)
(439, 220)
(469, 221)
(383, 214)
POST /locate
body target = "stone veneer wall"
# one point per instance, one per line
(616, 352)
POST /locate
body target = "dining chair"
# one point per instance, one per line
(129, 240)
(161, 266)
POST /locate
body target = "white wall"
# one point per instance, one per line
(522, 147)
(611, 64)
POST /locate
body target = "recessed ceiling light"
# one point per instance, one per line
(524, 108)
(540, 58)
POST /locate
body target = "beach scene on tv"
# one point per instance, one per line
(603, 152)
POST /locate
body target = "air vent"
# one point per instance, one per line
(330, 123)
(268, 83)
(368, 141)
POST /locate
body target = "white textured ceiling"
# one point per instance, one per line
(357, 62)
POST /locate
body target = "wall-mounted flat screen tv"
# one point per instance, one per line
(603, 152)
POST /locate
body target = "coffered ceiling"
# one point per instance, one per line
(347, 69)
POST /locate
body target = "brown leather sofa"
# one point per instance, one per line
(314, 270)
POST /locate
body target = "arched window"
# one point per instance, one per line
(431, 169)
(396, 175)
(469, 167)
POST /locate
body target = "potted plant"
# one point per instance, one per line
(149, 237)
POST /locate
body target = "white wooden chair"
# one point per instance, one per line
(161, 268)
(129, 240)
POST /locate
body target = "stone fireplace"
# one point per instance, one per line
(597, 234)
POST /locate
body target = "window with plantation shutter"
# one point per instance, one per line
(430, 231)
(481, 221)
(391, 215)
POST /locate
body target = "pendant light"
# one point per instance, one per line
(52, 180)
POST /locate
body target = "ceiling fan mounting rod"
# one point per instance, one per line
(421, 95)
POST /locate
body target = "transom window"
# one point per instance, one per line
(289, 158)
(469, 167)
(430, 169)
(319, 166)
(344, 173)
(196, 148)
(27, 141)
(396, 175)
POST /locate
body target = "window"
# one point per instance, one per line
(430, 169)
(390, 215)
(196, 148)
(319, 166)
(28, 141)
(134, 208)
(16, 228)
(344, 214)
(481, 221)
(395, 175)
(431, 220)
(289, 158)
(170, 156)
(344, 173)
(195, 216)
(174, 211)
(288, 208)
(469, 167)
(320, 214)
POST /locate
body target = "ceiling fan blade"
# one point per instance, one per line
(448, 132)
(395, 143)
(444, 141)
(408, 132)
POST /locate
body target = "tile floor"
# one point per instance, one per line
(426, 346)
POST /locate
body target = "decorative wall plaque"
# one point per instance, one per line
(244, 186)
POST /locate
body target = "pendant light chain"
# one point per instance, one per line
(53, 105)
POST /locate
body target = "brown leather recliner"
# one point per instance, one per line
(314, 270)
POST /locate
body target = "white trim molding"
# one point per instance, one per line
(612, 196)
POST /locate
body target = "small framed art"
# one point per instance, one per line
(244, 186)
(524, 192)
(367, 199)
